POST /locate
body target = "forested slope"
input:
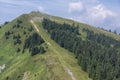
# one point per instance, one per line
(97, 54)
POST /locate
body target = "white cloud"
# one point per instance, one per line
(100, 12)
(75, 6)
(40, 8)
(98, 15)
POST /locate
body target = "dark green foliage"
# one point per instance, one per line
(32, 43)
(42, 50)
(17, 39)
(24, 32)
(63, 27)
(6, 22)
(7, 78)
(13, 26)
(6, 37)
(18, 24)
(7, 34)
(36, 50)
(30, 28)
(33, 40)
(18, 49)
(102, 39)
(19, 21)
(99, 55)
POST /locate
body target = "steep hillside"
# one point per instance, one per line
(31, 51)
(97, 51)
(18, 63)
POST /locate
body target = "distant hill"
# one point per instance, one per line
(38, 46)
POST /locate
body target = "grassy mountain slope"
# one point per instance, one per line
(63, 60)
(56, 64)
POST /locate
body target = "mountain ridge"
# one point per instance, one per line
(56, 63)
(69, 21)
(23, 66)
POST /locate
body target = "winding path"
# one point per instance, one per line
(34, 26)
(68, 71)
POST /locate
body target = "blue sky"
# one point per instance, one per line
(100, 13)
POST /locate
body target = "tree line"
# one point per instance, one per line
(98, 55)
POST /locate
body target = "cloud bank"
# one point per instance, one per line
(100, 13)
(75, 7)
(97, 14)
